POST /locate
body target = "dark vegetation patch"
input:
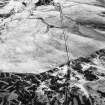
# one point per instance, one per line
(43, 2)
(90, 76)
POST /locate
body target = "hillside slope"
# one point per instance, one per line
(77, 82)
(32, 36)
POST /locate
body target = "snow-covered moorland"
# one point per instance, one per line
(32, 38)
(37, 38)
